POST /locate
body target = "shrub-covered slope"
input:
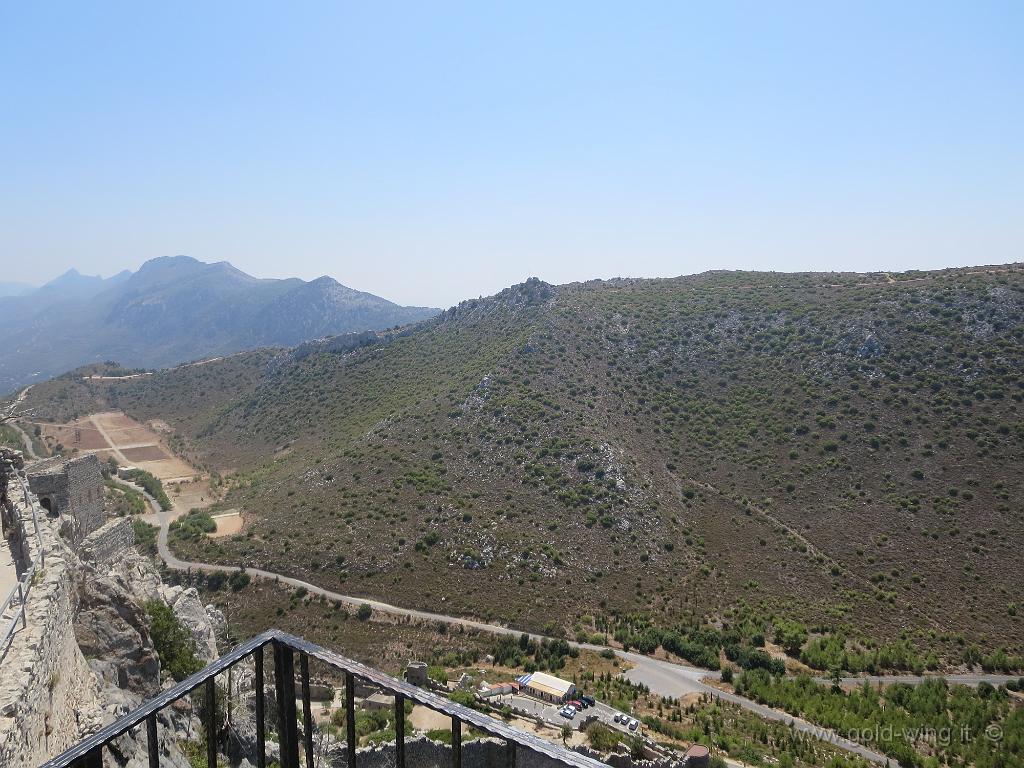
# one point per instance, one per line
(840, 450)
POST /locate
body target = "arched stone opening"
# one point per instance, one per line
(48, 504)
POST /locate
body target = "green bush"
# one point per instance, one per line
(602, 738)
(173, 642)
(239, 580)
(196, 524)
(145, 536)
(152, 485)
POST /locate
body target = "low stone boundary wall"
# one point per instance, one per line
(109, 542)
(46, 685)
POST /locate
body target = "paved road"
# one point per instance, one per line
(972, 679)
(662, 677)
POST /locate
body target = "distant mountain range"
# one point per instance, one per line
(171, 310)
(15, 289)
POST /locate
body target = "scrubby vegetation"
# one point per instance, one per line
(532, 655)
(727, 729)
(145, 537)
(10, 438)
(151, 483)
(929, 724)
(173, 641)
(196, 524)
(121, 500)
(840, 453)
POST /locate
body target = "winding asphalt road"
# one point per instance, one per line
(661, 677)
(664, 678)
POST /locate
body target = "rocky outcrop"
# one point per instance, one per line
(189, 609)
(49, 697)
(86, 656)
(113, 632)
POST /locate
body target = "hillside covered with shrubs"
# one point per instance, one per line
(728, 465)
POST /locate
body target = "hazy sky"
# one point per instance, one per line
(431, 152)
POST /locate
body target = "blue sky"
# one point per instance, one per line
(431, 152)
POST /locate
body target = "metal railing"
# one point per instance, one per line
(18, 595)
(89, 752)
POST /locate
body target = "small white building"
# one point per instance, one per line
(547, 687)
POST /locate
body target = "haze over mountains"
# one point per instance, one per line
(171, 310)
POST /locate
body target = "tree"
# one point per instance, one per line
(836, 677)
(239, 580)
(364, 612)
(566, 733)
(173, 642)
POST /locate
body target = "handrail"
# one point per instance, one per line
(35, 518)
(124, 724)
(24, 585)
(89, 750)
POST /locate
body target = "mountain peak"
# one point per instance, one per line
(168, 262)
(177, 308)
(73, 280)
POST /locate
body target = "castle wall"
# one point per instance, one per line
(46, 685)
(108, 542)
(72, 490)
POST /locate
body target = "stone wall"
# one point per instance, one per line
(71, 490)
(108, 542)
(46, 686)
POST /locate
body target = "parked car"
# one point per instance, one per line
(588, 700)
(633, 725)
(618, 717)
(578, 705)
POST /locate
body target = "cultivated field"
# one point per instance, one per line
(132, 443)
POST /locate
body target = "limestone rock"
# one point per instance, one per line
(113, 632)
(138, 576)
(218, 622)
(190, 611)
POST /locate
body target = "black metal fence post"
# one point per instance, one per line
(151, 742)
(307, 710)
(399, 731)
(293, 720)
(284, 671)
(211, 723)
(350, 717)
(261, 734)
(456, 743)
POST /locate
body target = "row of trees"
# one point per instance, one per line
(955, 724)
